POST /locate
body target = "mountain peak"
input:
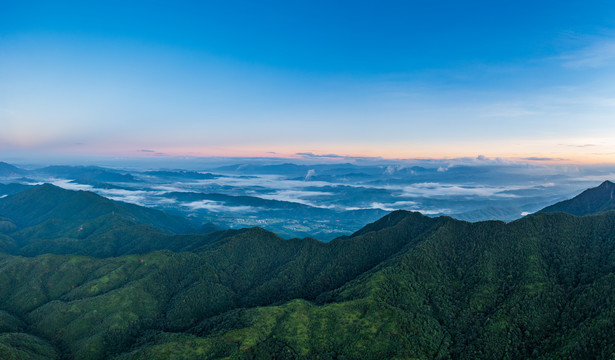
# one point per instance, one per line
(590, 201)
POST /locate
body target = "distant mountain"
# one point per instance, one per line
(86, 173)
(8, 170)
(182, 174)
(590, 201)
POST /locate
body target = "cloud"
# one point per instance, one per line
(297, 196)
(274, 182)
(401, 205)
(309, 174)
(71, 185)
(390, 170)
(154, 152)
(216, 206)
(535, 158)
(599, 54)
(398, 205)
(507, 110)
(138, 197)
(597, 178)
(433, 189)
(326, 156)
(578, 146)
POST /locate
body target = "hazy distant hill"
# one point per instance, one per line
(8, 170)
(86, 173)
(181, 174)
(590, 201)
(406, 286)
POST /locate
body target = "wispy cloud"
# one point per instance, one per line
(596, 55)
(578, 145)
(309, 174)
(434, 189)
(325, 156)
(216, 206)
(298, 196)
(537, 158)
(71, 185)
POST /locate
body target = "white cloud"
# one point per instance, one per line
(297, 196)
(309, 174)
(398, 205)
(70, 185)
(216, 206)
(433, 189)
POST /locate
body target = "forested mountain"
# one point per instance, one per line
(49, 219)
(404, 287)
(590, 201)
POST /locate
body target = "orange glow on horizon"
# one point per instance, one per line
(537, 151)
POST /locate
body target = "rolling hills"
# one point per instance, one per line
(404, 287)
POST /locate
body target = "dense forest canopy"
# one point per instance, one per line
(87, 278)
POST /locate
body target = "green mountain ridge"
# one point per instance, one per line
(404, 287)
(590, 201)
(48, 219)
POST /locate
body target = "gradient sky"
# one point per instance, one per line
(397, 79)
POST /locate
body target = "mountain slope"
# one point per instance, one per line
(48, 202)
(8, 170)
(48, 219)
(590, 201)
(541, 287)
(406, 286)
(88, 298)
(411, 287)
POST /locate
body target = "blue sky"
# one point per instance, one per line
(397, 79)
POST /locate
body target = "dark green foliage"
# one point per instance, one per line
(404, 287)
(12, 188)
(48, 219)
(20, 346)
(590, 201)
(46, 202)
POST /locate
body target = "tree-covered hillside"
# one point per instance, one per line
(404, 287)
(48, 219)
(590, 201)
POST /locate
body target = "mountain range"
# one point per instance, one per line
(107, 280)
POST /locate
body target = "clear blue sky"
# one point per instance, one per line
(375, 78)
